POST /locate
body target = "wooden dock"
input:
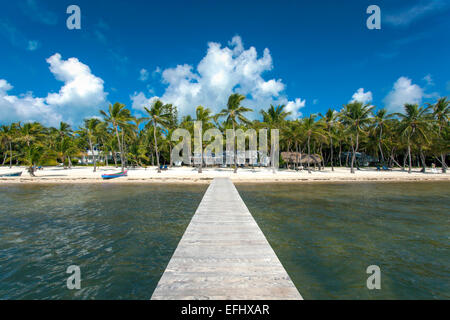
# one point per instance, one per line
(223, 254)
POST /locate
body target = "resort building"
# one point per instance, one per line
(88, 156)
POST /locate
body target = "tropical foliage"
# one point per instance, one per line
(416, 137)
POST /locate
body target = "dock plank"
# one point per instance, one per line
(223, 254)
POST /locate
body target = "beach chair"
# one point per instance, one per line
(386, 168)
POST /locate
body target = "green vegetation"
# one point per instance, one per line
(416, 136)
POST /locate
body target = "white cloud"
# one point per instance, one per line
(429, 80)
(80, 96)
(38, 12)
(406, 17)
(100, 30)
(294, 106)
(32, 45)
(4, 86)
(140, 101)
(81, 89)
(15, 37)
(404, 91)
(222, 71)
(361, 96)
(156, 72)
(25, 107)
(143, 75)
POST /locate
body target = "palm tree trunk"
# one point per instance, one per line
(93, 155)
(114, 157)
(355, 149)
(11, 156)
(301, 154)
(379, 146)
(95, 161)
(444, 164)
(200, 168)
(170, 155)
(296, 160)
(322, 163)
(422, 158)
(409, 156)
(348, 154)
(120, 148)
(309, 153)
(351, 162)
(405, 158)
(392, 160)
(156, 147)
(234, 149)
(331, 155)
(125, 159)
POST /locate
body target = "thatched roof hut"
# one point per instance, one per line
(298, 158)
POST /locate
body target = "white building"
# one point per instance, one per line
(88, 157)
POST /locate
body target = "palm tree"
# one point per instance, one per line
(157, 117)
(110, 145)
(414, 123)
(30, 132)
(275, 115)
(330, 122)
(312, 129)
(64, 130)
(103, 137)
(292, 134)
(171, 126)
(357, 116)
(7, 136)
(234, 113)
(380, 119)
(441, 113)
(204, 116)
(275, 118)
(90, 131)
(64, 149)
(32, 155)
(118, 115)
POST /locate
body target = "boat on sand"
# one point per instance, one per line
(13, 174)
(114, 175)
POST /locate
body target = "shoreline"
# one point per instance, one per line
(189, 175)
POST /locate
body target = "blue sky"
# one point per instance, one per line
(308, 55)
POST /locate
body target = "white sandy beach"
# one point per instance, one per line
(190, 175)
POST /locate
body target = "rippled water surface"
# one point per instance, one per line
(121, 236)
(326, 235)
